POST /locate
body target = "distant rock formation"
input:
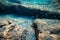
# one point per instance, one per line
(46, 5)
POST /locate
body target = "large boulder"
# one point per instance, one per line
(11, 30)
(47, 29)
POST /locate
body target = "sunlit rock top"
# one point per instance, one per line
(47, 29)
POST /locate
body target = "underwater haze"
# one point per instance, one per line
(25, 12)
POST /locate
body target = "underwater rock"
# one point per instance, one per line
(11, 31)
(47, 29)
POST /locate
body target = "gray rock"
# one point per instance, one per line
(10, 31)
(47, 29)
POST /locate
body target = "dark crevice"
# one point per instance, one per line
(55, 32)
(36, 30)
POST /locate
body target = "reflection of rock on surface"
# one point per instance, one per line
(10, 31)
(45, 31)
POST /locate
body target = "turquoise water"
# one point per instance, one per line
(30, 1)
(36, 1)
(47, 5)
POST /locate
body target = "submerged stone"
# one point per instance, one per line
(47, 29)
(11, 31)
